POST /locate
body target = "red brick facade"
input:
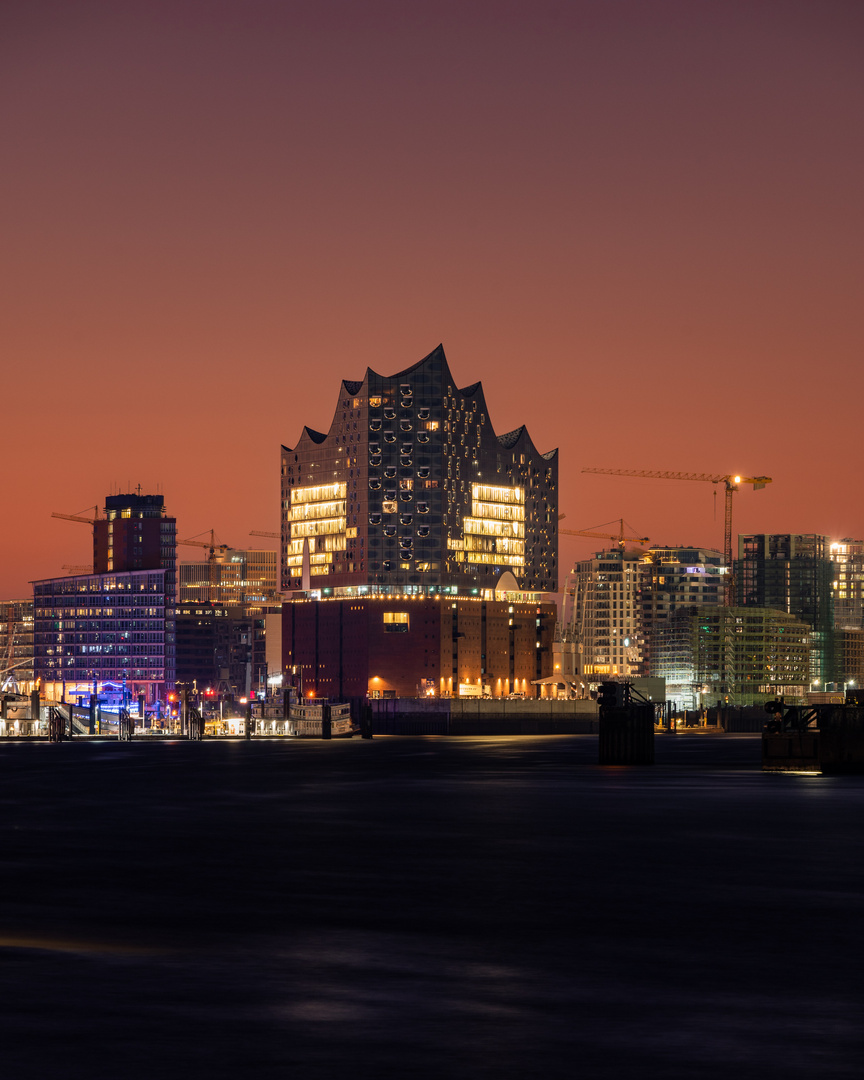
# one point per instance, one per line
(404, 647)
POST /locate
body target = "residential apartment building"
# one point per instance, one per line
(607, 621)
(714, 655)
(677, 577)
(848, 558)
(793, 573)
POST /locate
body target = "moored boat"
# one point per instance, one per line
(313, 719)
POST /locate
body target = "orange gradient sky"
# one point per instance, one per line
(638, 223)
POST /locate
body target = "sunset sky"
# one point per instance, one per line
(638, 223)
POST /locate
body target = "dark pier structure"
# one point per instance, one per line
(814, 738)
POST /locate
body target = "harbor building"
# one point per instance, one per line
(419, 646)
(411, 499)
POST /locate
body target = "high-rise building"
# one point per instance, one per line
(607, 624)
(135, 534)
(411, 489)
(417, 543)
(16, 644)
(116, 625)
(848, 558)
(792, 573)
(677, 577)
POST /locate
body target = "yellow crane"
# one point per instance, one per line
(77, 517)
(732, 484)
(257, 532)
(77, 569)
(212, 546)
(619, 536)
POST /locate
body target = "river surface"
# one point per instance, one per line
(426, 907)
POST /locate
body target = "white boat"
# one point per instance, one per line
(307, 719)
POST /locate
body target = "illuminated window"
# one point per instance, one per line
(396, 622)
(389, 506)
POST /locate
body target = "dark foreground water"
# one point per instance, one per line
(425, 908)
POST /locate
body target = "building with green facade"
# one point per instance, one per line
(712, 655)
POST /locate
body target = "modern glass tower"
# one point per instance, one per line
(412, 491)
(793, 572)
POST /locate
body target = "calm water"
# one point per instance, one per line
(426, 907)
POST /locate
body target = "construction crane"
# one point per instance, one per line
(257, 532)
(732, 484)
(212, 546)
(619, 536)
(77, 569)
(77, 517)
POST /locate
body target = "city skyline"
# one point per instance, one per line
(640, 228)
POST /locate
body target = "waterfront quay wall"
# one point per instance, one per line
(739, 719)
(480, 716)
